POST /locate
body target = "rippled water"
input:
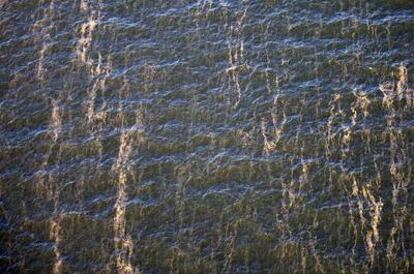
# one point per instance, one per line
(206, 136)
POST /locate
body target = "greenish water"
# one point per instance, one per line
(206, 136)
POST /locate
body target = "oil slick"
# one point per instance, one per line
(400, 167)
(84, 44)
(236, 56)
(123, 242)
(43, 28)
(48, 185)
(399, 90)
(124, 245)
(56, 128)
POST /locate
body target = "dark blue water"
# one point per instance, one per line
(206, 136)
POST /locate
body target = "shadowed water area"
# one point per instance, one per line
(206, 136)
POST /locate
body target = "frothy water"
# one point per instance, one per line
(206, 136)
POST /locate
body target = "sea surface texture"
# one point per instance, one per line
(210, 136)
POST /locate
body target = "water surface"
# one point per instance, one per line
(206, 136)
